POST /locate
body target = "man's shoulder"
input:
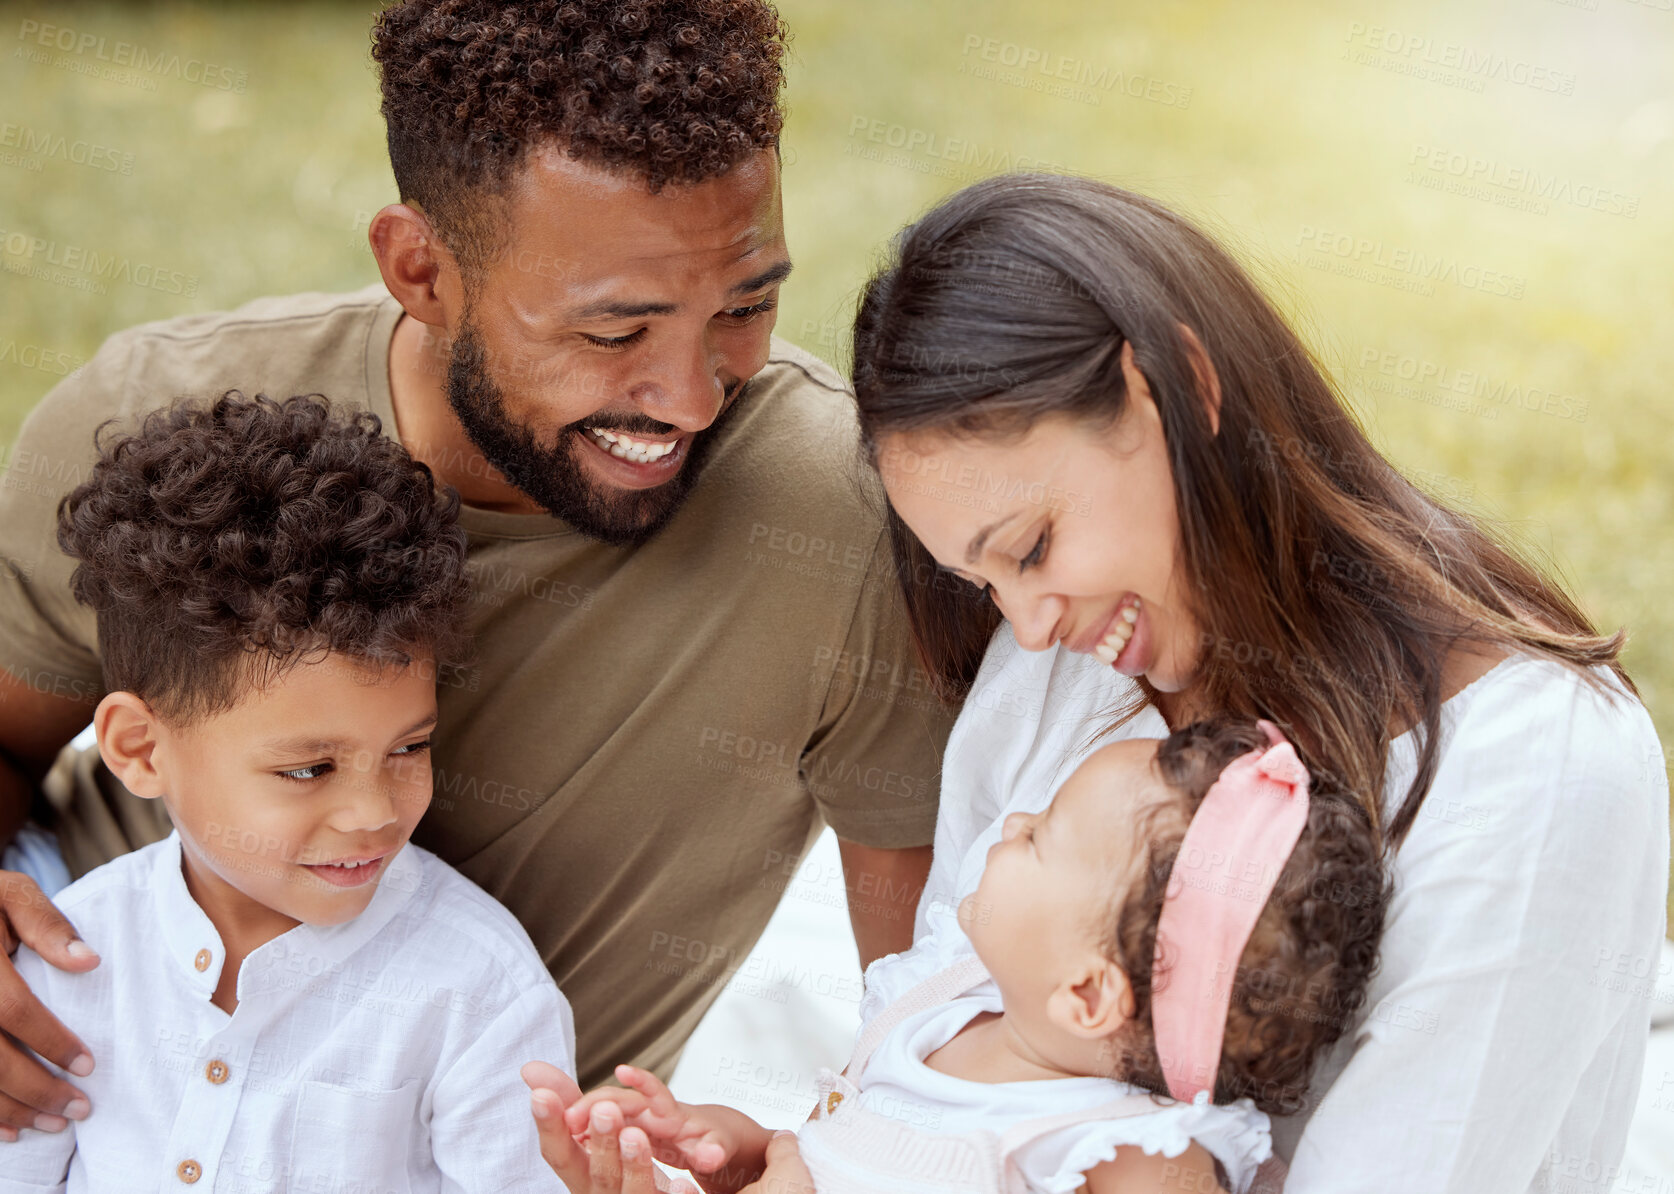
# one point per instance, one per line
(795, 452)
(285, 315)
(291, 343)
(794, 367)
(797, 394)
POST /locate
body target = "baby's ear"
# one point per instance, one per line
(127, 730)
(1093, 1001)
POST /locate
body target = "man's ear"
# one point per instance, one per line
(128, 732)
(418, 269)
(1208, 381)
(1093, 1001)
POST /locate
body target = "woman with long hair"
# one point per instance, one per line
(1123, 496)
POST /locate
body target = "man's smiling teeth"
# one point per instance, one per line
(627, 448)
(1119, 634)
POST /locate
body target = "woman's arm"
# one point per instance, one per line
(785, 1172)
(1029, 719)
(1506, 1032)
(1134, 1171)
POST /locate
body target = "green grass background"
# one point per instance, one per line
(268, 190)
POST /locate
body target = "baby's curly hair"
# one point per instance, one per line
(222, 543)
(675, 91)
(1303, 975)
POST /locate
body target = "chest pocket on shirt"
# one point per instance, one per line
(352, 1140)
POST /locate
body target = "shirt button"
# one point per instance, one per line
(216, 1072)
(188, 1171)
(202, 960)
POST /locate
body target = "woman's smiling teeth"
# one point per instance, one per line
(1119, 634)
(627, 448)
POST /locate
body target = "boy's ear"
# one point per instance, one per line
(1094, 1001)
(128, 733)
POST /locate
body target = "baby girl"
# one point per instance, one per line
(1160, 957)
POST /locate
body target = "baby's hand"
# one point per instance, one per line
(702, 1138)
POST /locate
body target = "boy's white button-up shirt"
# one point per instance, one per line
(378, 1056)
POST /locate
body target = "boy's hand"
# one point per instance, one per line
(700, 1139)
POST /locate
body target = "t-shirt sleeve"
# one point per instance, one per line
(38, 1162)
(47, 639)
(1527, 896)
(874, 766)
(482, 1134)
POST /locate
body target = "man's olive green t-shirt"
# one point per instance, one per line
(649, 737)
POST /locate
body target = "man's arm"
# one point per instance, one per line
(876, 764)
(883, 887)
(34, 726)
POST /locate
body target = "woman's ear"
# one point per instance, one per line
(1094, 1001)
(1208, 381)
(128, 732)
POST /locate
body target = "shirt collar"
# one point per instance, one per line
(199, 953)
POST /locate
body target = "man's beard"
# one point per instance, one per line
(552, 473)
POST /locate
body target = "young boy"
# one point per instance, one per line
(290, 996)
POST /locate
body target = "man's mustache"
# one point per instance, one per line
(635, 423)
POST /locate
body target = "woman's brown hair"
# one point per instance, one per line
(1328, 589)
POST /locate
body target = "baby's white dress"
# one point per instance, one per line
(896, 1124)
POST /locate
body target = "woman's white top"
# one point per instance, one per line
(899, 1085)
(1504, 1034)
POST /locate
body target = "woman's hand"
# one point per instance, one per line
(785, 1173)
(612, 1159)
(723, 1147)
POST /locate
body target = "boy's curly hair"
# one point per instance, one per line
(221, 543)
(675, 91)
(1303, 975)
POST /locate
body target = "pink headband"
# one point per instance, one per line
(1233, 851)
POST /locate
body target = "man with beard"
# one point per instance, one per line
(691, 650)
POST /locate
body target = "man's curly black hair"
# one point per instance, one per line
(1302, 978)
(673, 91)
(220, 544)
